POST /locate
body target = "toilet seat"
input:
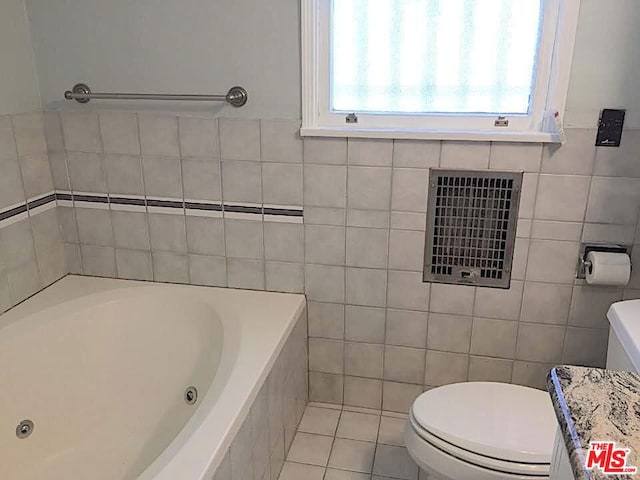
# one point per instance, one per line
(538, 470)
(496, 429)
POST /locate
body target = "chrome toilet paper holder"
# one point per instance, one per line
(585, 248)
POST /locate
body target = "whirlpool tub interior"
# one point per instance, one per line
(117, 380)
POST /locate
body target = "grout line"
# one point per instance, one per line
(344, 293)
(264, 256)
(144, 193)
(304, 267)
(574, 285)
(526, 263)
(375, 450)
(333, 442)
(386, 290)
(72, 208)
(101, 155)
(224, 223)
(184, 210)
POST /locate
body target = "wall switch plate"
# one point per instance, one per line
(610, 128)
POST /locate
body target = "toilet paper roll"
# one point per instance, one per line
(608, 268)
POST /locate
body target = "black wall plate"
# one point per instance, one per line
(610, 128)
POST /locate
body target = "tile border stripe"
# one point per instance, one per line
(165, 203)
(12, 212)
(242, 209)
(46, 199)
(90, 198)
(286, 212)
(64, 196)
(41, 201)
(215, 207)
(127, 201)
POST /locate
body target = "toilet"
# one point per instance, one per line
(499, 431)
(482, 431)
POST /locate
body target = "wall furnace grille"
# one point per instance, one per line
(471, 227)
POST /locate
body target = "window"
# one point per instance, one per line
(465, 69)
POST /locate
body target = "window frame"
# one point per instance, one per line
(558, 32)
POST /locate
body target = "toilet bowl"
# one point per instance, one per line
(482, 431)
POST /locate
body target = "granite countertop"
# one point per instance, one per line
(596, 405)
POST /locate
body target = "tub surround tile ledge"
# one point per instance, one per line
(592, 404)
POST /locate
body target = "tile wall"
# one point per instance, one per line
(258, 451)
(247, 203)
(31, 250)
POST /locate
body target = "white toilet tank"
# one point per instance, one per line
(624, 336)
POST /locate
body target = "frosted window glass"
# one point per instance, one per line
(434, 56)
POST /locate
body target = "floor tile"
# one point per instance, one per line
(394, 462)
(336, 442)
(333, 474)
(332, 406)
(297, 471)
(322, 421)
(358, 426)
(392, 431)
(372, 411)
(310, 449)
(387, 413)
(352, 455)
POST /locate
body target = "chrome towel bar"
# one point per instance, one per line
(81, 93)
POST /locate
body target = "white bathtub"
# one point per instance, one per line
(101, 367)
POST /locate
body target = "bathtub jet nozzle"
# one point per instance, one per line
(24, 429)
(191, 395)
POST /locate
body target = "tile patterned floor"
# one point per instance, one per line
(346, 443)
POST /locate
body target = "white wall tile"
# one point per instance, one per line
(81, 132)
(562, 197)
(493, 338)
(614, 200)
(367, 247)
(524, 157)
(621, 161)
(410, 190)
(365, 151)
(576, 157)
(119, 132)
(472, 155)
(416, 154)
(552, 261)
(540, 343)
(366, 286)
(281, 141)
(239, 139)
(325, 186)
(369, 188)
(159, 134)
(198, 137)
(364, 324)
(443, 368)
(330, 151)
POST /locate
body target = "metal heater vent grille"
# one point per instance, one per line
(471, 226)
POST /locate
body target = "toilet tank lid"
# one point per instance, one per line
(624, 318)
(498, 420)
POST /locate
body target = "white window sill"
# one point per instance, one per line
(470, 136)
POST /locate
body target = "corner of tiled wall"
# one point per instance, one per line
(31, 251)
